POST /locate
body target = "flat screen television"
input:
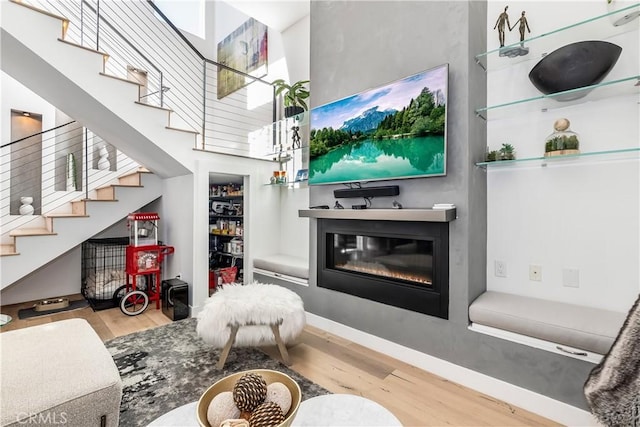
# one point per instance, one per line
(394, 131)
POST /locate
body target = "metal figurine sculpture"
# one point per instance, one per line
(296, 136)
(500, 23)
(523, 24)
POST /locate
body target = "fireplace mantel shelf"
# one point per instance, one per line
(424, 215)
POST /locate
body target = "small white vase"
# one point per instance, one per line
(26, 208)
(71, 173)
(103, 163)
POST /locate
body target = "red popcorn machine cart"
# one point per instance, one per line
(144, 257)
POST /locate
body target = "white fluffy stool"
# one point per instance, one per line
(251, 315)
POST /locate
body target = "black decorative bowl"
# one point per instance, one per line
(574, 66)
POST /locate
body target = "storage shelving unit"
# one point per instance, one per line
(226, 230)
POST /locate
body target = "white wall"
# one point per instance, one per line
(572, 214)
(59, 278)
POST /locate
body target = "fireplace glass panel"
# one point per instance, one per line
(398, 259)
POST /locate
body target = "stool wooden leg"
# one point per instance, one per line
(281, 346)
(227, 347)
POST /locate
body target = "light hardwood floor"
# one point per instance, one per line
(416, 397)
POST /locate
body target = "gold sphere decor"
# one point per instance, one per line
(268, 412)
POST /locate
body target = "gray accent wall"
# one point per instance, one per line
(356, 45)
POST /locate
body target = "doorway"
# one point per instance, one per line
(226, 229)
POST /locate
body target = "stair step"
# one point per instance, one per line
(42, 11)
(168, 110)
(104, 54)
(132, 179)
(65, 215)
(8, 250)
(106, 193)
(111, 76)
(31, 232)
(183, 130)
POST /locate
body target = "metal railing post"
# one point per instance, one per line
(86, 163)
(204, 101)
(98, 25)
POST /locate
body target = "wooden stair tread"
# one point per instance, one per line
(42, 11)
(105, 55)
(183, 130)
(31, 232)
(122, 79)
(119, 185)
(65, 215)
(154, 106)
(98, 200)
(8, 250)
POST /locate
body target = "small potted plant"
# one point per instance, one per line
(492, 155)
(293, 95)
(507, 152)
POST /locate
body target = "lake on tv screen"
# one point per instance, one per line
(376, 159)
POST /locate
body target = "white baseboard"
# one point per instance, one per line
(518, 396)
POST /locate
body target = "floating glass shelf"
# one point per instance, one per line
(290, 150)
(292, 184)
(620, 87)
(597, 28)
(619, 154)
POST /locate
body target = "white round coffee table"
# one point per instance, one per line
(183, 416)
(343, 410)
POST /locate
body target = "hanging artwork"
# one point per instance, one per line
(245, 50)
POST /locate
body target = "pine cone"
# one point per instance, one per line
(249, 391)
(268, 414)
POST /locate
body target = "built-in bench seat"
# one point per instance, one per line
(284, 267)
(583, 328)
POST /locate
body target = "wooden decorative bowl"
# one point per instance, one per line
(227, 383)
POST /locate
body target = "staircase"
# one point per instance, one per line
(31, 247)
(72, 77)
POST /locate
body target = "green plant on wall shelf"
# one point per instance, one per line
(294, 95)
(507, 152)
(492, 156)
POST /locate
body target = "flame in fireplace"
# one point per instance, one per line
(372, 268)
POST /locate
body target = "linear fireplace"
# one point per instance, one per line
(400, 263)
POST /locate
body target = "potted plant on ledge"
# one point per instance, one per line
(293, 95)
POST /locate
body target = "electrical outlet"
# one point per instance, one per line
(570, 277)
(535, 273)
(500, 268)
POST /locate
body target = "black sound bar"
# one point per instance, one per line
(389, 190)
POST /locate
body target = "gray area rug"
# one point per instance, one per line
(169, 366)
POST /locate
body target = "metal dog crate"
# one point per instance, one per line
(103, 270)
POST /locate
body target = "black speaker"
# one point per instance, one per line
(175, 299)
(389, 190)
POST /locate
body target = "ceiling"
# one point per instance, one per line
(279, 15)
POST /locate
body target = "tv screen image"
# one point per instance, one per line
(390, 132)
